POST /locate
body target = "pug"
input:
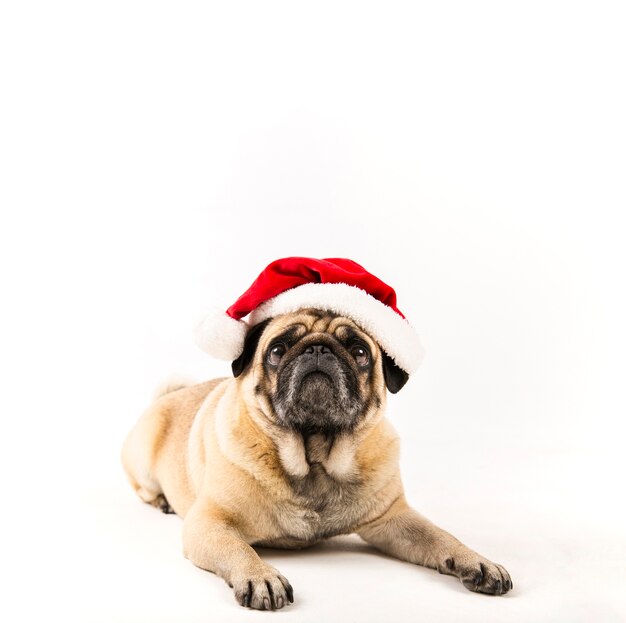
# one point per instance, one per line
(292, 449)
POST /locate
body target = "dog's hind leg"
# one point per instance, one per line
(138, 454)
(155, 451)
(162, 504)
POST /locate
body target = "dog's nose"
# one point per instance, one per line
(319, 349)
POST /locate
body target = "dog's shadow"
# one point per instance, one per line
(344, 548)
(334, 545)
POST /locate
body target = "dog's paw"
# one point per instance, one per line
(477, 573)
(267, 590)
(163, 505)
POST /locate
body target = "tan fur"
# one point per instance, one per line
(215, 453)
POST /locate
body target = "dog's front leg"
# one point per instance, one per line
(406, 535)
(212, 541)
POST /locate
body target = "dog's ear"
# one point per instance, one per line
(395, 377)
(249, 347)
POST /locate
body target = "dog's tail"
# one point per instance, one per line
(171, 385)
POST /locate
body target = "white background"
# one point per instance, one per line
(156, 156)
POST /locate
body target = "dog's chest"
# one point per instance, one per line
(320, 507)
(322, 503)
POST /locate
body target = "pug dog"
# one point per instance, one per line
(292, 449)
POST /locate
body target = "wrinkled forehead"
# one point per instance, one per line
(296, 326)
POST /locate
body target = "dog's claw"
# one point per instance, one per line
(480, 575)
(267, 591)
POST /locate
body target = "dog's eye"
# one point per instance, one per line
(274, 355)
(361, 356)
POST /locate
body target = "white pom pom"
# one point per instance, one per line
(220, 335)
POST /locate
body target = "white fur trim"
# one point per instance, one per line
(394, 334)
(220, 335)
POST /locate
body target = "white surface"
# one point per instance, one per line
(155, 157)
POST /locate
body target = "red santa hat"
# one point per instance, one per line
(336, 285)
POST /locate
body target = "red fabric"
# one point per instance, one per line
(291, 272)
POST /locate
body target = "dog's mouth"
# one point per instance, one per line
(318, 394)
(316, 391)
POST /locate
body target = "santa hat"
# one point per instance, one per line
(336, 285)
